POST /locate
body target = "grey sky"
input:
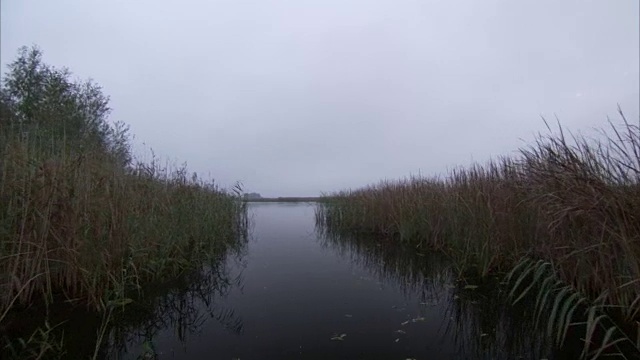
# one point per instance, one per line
(296, 97)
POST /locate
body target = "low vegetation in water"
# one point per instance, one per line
(561, 221)
(80, 220)
(475, 311)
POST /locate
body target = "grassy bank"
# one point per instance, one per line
(561, 220)
(80, 220)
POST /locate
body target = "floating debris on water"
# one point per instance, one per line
(404, 323)
(401, 331)
(337, 337)
(419, 318)
(471, 287)
(397, 340)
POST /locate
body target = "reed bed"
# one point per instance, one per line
(81, 222)
(561, 219)
(475, 316)
(88, 231)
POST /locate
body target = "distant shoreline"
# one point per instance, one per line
(285, 199)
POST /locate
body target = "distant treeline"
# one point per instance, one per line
(286, 199)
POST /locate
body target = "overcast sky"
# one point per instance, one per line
(296, 97)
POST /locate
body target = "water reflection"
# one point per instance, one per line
(428, 274)
(476, 314)
(180, 307)
(296, 291)
(179, 312)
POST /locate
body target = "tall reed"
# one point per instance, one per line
(572, 201)
(76, 226)
(80, 220)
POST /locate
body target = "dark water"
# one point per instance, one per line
(296, 294)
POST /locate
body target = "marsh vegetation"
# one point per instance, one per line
(477, 313)
(533, 255)
(82, 223)
(558, 224)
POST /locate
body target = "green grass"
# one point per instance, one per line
(572, 202)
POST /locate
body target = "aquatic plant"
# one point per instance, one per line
(80, 220)
(476, 313)
(571, 201)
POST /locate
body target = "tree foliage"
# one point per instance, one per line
(47, 104)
